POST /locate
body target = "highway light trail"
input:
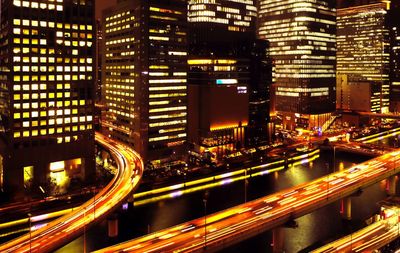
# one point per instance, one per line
(368, 239)
(379, 136)
(173, 191)
(64, 229)
(243, 221)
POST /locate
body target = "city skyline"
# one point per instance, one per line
(199, 125)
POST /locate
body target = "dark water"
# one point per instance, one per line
(313, 229)
(391, 141)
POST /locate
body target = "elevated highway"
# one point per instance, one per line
(368, 239)
(225, 228)
(64, 229)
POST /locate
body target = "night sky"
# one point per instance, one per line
(103, 4)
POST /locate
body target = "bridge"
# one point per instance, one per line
(225, 228)
(370, 238)
(379, 115)
(66, 228)
(361, 148)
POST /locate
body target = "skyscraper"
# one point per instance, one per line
(353, 3)
(218, 15)
(144, 75)
(259, 93)
(46, 92)
(363, 57)
(99, 53)
(302, 35)
(228, 84)
(394, 76)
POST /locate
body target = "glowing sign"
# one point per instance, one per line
(57, 166)
(226, 81)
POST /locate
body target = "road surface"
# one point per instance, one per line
(241, 222)
(67, 227)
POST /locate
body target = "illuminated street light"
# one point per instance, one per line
(205, 221)
(30, 232)
(245, 185)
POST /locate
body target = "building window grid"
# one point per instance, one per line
(31, 99)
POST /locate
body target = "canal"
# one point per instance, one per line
(313, 230)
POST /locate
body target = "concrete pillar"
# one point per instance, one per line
(346, 208)
(130, 198)
(278, 240)
(112, 222)
(391, 186)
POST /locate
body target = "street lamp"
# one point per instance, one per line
(351, 241)
(205, 197)
(84, 230)
(245, 185)
(327, 181)
(30, 232)
(397, 222)
(334, 158)
(205, 222)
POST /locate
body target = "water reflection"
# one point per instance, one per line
(316, 228)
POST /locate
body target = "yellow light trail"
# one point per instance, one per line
(379, 136)
(226, 179)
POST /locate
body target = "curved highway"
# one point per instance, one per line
(368, 239)
(244, 221)
(66, 228)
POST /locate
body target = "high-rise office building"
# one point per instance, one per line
(363, 57)
(99, 53)
(302, 35)
(218, 100)
(228, 72)
(394, 76)
(144, 75)
(229, 15)
(47, 51)
(259, 128)
(353, 3)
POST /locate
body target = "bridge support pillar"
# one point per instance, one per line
(346, 208)
(131, 201)
(278, 240)
(112, 222)
(391, 186)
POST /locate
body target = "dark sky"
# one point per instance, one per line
(103, 4)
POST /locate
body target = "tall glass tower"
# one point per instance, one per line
(302, 35)
(145, 75)
(394, 27)
(363, 57)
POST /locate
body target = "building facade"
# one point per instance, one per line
(99, 53)
(227, 15)
(394, 76)
(302, 35)
(363, 54)
(228, 76)
(47, 52)
(145, 75)
(353, 3)
(260, 127)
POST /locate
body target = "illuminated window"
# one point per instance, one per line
(28, 175)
